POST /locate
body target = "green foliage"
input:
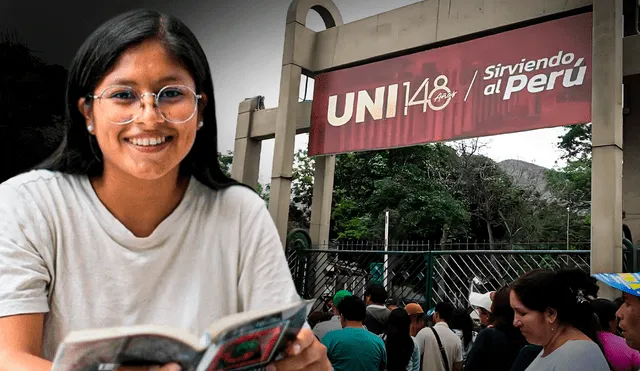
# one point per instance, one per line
(414, 184)
(443, 194)
(225, 161)
(301, 190)
(576, 142)
(571, 185)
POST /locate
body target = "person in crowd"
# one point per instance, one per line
(440, 348)
(377, 312)
(525, 357)
(316, 318)
(629, 312)
(131, 220)
(462, 325)
(618, 302)
(497, 346)
(553, 309)
(391, 304)
(402, 351)
(482, 305)
(354, 348)
(416, 313)
(428, 317)
(321, 329)
(619, 355)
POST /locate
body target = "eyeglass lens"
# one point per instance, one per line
(123, 104)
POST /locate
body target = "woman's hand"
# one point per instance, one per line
(305, 353)
(167, 367)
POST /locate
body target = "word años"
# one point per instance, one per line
(435, 98)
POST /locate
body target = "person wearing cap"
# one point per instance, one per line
(482, 304)
(416, 313)
(322, 328)
(354, 348)
(440, 348)
(629, 313)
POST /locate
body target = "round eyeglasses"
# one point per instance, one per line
(122, 104)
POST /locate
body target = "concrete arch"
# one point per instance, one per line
(328, 11)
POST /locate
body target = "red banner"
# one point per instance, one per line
(529, 78)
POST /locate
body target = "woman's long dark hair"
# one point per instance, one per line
(502, 317)
(462, 321)
(398, 343)
(79, 152)
(568, 291)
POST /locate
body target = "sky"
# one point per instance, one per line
(243, 40)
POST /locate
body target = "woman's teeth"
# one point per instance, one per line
(145, 142)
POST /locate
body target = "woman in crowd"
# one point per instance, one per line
(498, 345)
(402, 351)
(132, 221)
(553, 309)
(462, 325)
(619, 355)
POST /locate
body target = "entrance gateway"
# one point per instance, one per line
(441, 70)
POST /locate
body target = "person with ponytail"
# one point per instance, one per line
(553, 309)
(402, 352)
(497, 346)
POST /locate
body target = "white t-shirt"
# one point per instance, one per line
(64, 254)
(428, 345)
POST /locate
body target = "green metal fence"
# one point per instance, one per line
(419, 273)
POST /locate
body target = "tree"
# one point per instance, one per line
(226, 161)
(301, 190)
(576, 142)
(570, 186)
(413, 184)
(490, 193)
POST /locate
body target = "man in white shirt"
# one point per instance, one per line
(430, 351)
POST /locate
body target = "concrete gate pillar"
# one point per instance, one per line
(285, 132)
(246, 150)
(606, 192)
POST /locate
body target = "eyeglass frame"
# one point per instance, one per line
(155, 102)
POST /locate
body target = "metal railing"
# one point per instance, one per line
(416, 275)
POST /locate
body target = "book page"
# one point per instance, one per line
(108, 354)
(255, 343)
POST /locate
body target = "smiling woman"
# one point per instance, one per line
(132, 221)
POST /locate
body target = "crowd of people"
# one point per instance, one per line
(544, 320)
(134, 199)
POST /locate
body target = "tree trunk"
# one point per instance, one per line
(441, 268)
(445, 235)
(490, 232)
(493, 259)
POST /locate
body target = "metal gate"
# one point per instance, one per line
(412, 274)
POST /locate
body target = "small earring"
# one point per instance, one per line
(200, 124)
(90, 128)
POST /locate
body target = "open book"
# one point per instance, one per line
(243, 341)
